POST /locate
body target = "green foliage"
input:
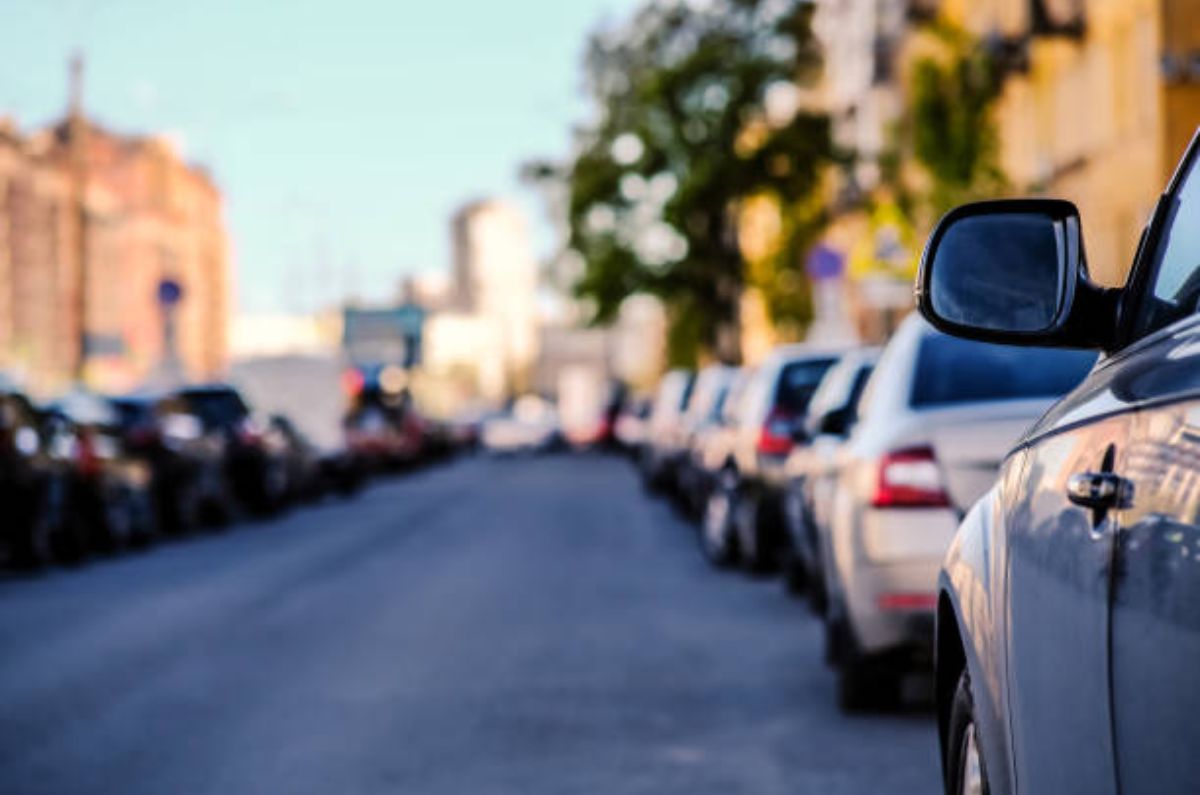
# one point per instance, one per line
(680, 140)
(953, 133)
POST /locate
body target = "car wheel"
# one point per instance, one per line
(146, 524)
(866, 685)
(118, 515)
(818, 600)
(757, 556)
(717, 538)
(34, 548)
(863, 683)
(188, 508)
(795, 576)
(795, 573)
(966, 773)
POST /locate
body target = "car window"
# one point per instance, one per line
(706, 394)
(834, 389)
(217, 408)
(1174, 288)
(732, 402)
(798, 382)
(952, 370)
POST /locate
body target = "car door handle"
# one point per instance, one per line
(1099, 490)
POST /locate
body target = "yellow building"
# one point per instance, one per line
(1104, 99)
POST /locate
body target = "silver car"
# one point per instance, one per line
(661, 451)
(937, 418)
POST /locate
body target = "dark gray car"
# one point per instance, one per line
(1069, 605)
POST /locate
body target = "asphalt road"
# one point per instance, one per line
(517, 626)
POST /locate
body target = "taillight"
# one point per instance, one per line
(87, 458)
(775, 438)
(143, 436)
(353, 382)
(907, 601)
(910, 479)
(249, 433)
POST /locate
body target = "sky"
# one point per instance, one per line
(343, 133)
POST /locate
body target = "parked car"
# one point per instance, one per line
(254, 466)
(531, 426)
(304, 472)
(631, 425)
(659, 456)
(938, 415)
(385, 431)
(811, 467)
(711, 452)
(188, 482)
(32, 484)
(703, 414)
(1068, 623)
(110, 488)
(743, 517)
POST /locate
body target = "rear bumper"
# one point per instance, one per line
(890, 592)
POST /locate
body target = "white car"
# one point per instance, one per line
(936, 419)
(531, 426)
(812, 466)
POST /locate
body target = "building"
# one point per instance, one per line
(92, 224)
(1098, 107)
(38, 335)
(496, 278)
(1098, 99)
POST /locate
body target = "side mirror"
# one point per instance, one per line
(1012, 271)
(835, 423)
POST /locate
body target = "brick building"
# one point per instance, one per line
(83, 208)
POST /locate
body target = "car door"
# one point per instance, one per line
(1059, 558)
(1156, 583)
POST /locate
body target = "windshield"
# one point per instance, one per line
(798, 382)
(951, 370)
(218, 408)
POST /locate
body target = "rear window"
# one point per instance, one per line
(797, 383)
(952, 370)
(131, 413)
(217, 408)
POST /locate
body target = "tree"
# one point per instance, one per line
(954, 88)
(696, 113)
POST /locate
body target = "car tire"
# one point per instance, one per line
(757, 557)
(34, 547)
(818, 600)
(863, 683)
(718, 538)
(117, 518)
(865, 686)
(795, 576)
(965, 773)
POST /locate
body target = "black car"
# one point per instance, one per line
(31, 484)
(253, 462)
(1068, 617)
(110, 504)
(188, 482)
(305, 476)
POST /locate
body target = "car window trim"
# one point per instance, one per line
(1143, 270)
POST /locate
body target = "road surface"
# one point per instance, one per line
(513, 626)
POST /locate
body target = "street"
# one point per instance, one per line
(522, 625)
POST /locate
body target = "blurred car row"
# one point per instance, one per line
(847, 470)
(89, 472)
